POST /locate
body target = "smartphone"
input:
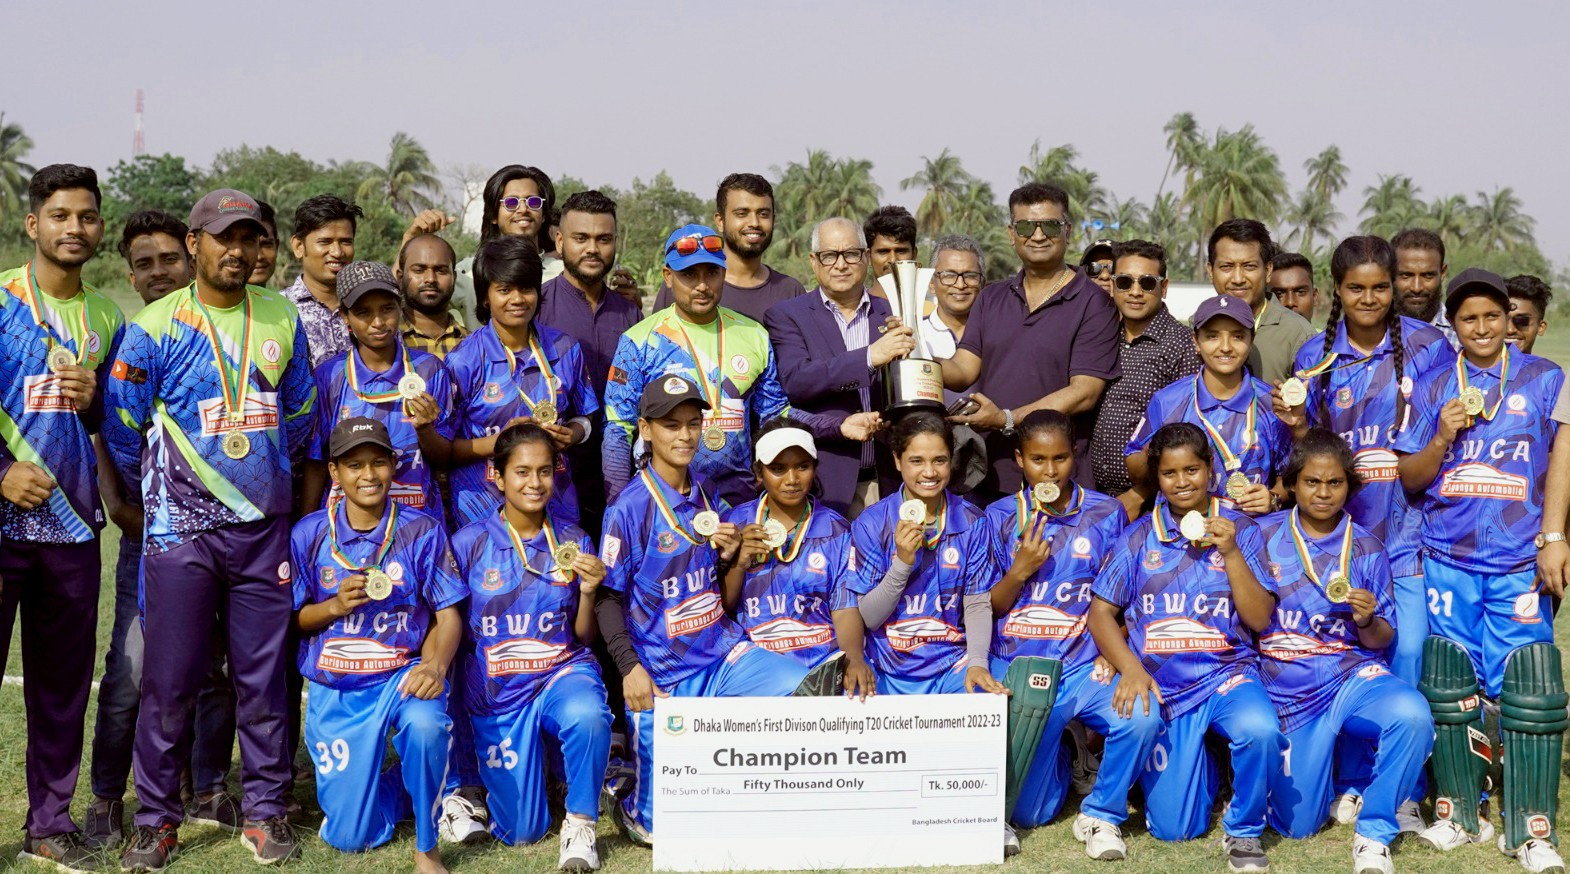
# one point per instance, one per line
(964, 406)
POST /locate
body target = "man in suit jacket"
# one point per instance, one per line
(829, 346)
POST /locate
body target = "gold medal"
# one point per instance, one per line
(914, 511)
(545, 413)
(775, 533)
(411, 386)
(236, 445)
(1045, 492)
(1472, 400)
(1338, 589)
(564, 555)
(1293, 392)
(713, 438)
(60, 358)
(1238, 485)
(706, 523)
(378, 586)
(1193, 526)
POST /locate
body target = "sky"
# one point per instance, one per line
(1463, 97)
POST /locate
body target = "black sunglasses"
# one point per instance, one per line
(1051, 228)
(1126, 281)
(1521, 321)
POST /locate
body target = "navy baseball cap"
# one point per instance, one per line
(666, 393)
(1224, 305)
(358, 431)
(708, 247)
(1475, 282)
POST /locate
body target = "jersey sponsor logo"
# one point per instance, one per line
(1475, 479)
(1376, 465)
(951, 557)
(1043, 622)
(788, 633)
(1539, 826)
(1372, 670)
(694, 614)
(94, 342)
(41, 393)
(618, 376)
(360, 655)
(610, 550)
(1285, 646)
(407, 494)
(1516, 403)
(817, 563)
(395, 570)
(731, 416)
(740, 365)
(1231, 683)
(1152, 560)
(523, 656)
(127, 373)
(272, 350)
(1081, 547)
(1182, 634)
(260, 414)
(283, 573)
(908, 635)
(1528, 608)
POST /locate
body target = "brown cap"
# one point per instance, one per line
(217, 210)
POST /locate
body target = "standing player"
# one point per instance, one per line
(210, 395)
(1476, 447)
(1189, 580)
(377, 601)
(1234, 409)
(1051, 538)
(380, 378)
(665, 550)
(1322, 662)
(57, 335)
(534, 689)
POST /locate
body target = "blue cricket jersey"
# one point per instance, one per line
(1262, 453)
(787, 605)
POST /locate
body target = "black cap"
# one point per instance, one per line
(359, 278)
(1472, 282)
(1097, 246)
(667, 393)
(358, 431)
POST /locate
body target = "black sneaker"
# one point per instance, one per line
(1245, 854)
(218, 809)
(271, 840)
(105, 823)
(66, 852)
(151, 849)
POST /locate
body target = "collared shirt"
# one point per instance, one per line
(1261, 455)
(1443, 324)
(1161, 355)
(379, 637)
(940, 342)
(1278, 335)
(787, 606)
(855, 334)
(522, 611)
(751, 302)
(326, 333)
(596, 328)
(440, 344)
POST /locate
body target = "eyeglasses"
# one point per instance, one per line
(533, 201)
(851, 256)
(1094, 270)
(685, 246)
(1521, 321)
(953, 279)
(1026, 228)
(1126, 281)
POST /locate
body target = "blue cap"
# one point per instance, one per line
(702, 256)
(1224, 305)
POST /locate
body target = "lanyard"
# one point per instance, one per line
(545, 369)
(381, 553)
(787, 552)
(234, 386)
(30, 296)
(1463, 384)
(1301, 542)
(375, 398)
(550, 547)
(1229, 459)
(667, 512)
(712, 391)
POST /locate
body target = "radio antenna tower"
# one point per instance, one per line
(138, 146)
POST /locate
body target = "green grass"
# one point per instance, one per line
(1048, 849)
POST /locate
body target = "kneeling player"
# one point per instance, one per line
(375, 595)
(1053, 536)
(1476, 447)
(1322, 662)
(532, 684)
(1190, 582)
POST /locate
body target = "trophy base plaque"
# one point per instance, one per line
(912, 384)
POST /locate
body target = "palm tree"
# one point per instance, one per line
(1313, 217)
(1500, 225)
(1184, 143)
(408, 182)
(1326, 173)
(944, 179)
(820, 188)
(1167, 224)
(15, 173)
(978, 214)
(1451, 218)
(1059, 166)
(1391, 205)
(1238, 176)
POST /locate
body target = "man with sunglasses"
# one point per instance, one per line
(1238, 256)
(1292, 283)
(1097, 264)
(1154, 351)
(1045, 338)
(1529, 300)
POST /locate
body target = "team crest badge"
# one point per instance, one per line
(666, 542)
(1275, 570)
(1152, 560)
(740, 365)
(329, 578)
(1343, 397)
(493, 580)
(493, 392)
(271, 351)
(675, 725)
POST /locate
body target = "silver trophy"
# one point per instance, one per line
(911, 382)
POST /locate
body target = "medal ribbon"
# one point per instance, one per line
(1229, 459)
(562, 574)
(930, 541)
(1462, 383)
(712, 391)
(377, 398)
(337, 550)
(1300, 541)
(30, 295)
(545, 370)
(1162, 524)
(667, 512)
(792, 547)
(1027, 506)
(233, 393)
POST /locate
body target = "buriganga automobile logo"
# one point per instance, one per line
(788, 633)
(523, 656)
(1041, 622)
(1182, 634)
(911, 634)
(1376, 465)
(360, 655)
(1478, 480)
(693, 615)
(1284, 646)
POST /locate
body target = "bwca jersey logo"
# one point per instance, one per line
(523, 656)
(1182, 634)
(1042, 622)
(1475, 479)
(693, 615)
(788, 633)
(908, 635)
(360, 655)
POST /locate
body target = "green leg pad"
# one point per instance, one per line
(1461, 750)
(1532, 722)
(827, 679)
(1033, 683)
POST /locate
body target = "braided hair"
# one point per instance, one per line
(1355, 252)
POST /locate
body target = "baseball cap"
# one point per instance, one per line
(1472, 282)
(770, 445)
(703, 256)
(357, 431)
(217, 210)
(1099, 247)
(667, 393)
(1223, 305)
(359, 278)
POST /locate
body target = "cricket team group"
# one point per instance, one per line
(486, 511)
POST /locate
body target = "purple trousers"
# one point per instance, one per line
(239, 576)
(56, 586)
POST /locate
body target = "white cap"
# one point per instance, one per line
(770, 445)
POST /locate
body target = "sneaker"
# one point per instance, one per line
(1103, 840)
(218, 809)
(1536, 856)
(1409, 819)
(462, 821)
(1370, 857)
(66, 852)
(151, 848)
(619, 775)
(1086, 763)
(1447, 835)
(271, 840)
(630, 827)
(1344, 810)
(578, 849)
(105, 823)
(1245, 854)
(1010, 841)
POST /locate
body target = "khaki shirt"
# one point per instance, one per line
(1278, 335)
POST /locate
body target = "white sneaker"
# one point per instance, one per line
(1370, 857)
(1082, 824)
(1446, 835)
(1536, 856)
(1010, 841)
(1086, 764)
(630, 827)
(1409, 820)
(1345, 808)
(578, 849)
(1103, 840)
(462, 822)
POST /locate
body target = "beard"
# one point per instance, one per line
(586, 277)
(413, 300)
(69, 261)
(216, 279)
(738, 244)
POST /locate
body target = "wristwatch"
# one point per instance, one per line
(1546, 537)
(1008, 423)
